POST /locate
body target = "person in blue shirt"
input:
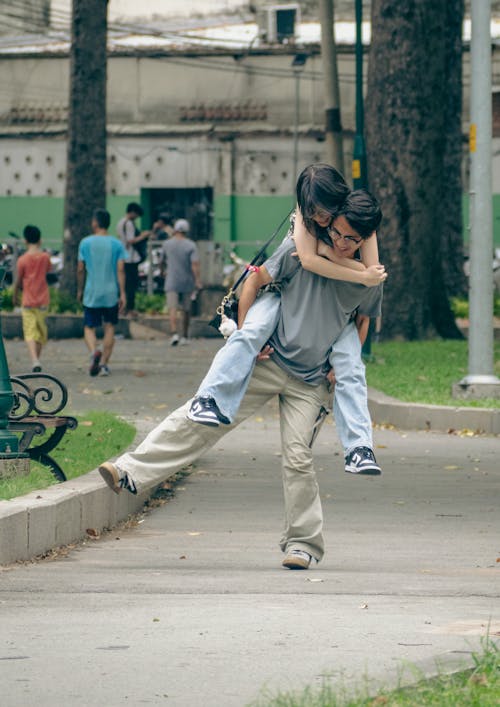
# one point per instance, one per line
(101, 259)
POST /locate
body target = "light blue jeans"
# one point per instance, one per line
(350, 402)
(231, 370)
(229, 375)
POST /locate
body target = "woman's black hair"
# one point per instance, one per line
(320, 186)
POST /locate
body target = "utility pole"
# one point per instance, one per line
(333, 125)
(480, 382)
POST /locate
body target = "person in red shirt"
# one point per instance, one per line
(31, 278)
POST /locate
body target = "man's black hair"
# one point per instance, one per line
(362, 212)
(102, 218)
(32, 234)
(135, 208)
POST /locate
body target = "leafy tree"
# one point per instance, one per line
(414, 144)
(86, 161)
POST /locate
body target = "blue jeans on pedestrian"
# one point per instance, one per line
(228, 377)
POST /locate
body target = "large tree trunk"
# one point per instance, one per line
(414, 141)
(86, 161)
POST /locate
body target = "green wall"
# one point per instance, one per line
(496, 219)
(254, 219)
(45, 212)
(237, 218)
(48, 214)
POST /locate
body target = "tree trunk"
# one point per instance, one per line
(414, 145)
(86, 161)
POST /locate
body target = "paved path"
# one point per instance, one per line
(191, 607)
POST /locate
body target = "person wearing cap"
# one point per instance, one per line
(182, 278)
(131, 237)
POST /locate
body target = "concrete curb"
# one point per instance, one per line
(415, 416)
(59, 515)
(34, 524)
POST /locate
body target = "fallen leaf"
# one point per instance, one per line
(92, 532)
(86, 423)
(155, 620)
(363, 606)
(194, 533)
(451, 467)
(161, 406)
(139, 374)
(314, 579)
(182, 557)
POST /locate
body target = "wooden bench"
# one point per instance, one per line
(38, 400)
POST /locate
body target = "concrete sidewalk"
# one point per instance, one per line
(191, 606)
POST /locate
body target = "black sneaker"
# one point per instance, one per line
(117, 479)
(94, 363)
(362, 461)
(205, 411)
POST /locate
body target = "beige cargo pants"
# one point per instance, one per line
(177, 442)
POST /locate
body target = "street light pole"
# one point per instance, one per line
(298, 64)
(359, 171)
(480, 381)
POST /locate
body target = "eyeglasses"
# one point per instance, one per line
(333, 233)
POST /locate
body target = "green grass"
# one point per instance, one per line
(476, 687)
(99, 436)
(423, 371)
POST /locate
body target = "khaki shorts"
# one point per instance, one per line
(179, 300)
(34, 325)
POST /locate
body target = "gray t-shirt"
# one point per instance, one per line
(314, 312)
(180, 254)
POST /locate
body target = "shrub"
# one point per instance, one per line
(150, 304)
(460, 307)
(63, 303)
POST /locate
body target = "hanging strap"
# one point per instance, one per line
(251, 265)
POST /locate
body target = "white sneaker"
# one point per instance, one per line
(174, 340)
(183, 341)
(297, 560)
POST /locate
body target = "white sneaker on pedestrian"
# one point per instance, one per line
(174, 340)
(183, 341)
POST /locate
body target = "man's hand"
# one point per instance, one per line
(374, 275)
(265, 353)
(122, 302)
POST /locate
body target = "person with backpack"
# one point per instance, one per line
(135, 243)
